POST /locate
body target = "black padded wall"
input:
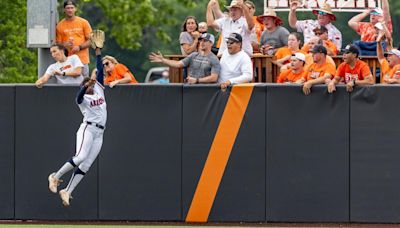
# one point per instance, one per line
(7, 121)
(241, 193)
(140, 166)
(46, 123)
(307, 154)
(375, 154)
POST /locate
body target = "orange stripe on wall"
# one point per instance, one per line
(220, 151)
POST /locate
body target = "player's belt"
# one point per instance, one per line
(95, 124)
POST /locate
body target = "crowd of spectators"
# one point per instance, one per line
(242, 34)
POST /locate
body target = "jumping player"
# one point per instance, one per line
(89, 139)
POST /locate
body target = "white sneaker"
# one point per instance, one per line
(53, 183)
(65, 196)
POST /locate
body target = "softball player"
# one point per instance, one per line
(89, 137)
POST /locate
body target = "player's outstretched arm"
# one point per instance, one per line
(99, 67)
(81, 93)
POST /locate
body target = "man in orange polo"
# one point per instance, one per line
(296, 71)
(320, 71)
(352, 71)
(74, 33)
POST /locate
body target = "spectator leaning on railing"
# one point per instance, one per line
(115, 72)
(309, 56)
(320, 71)
(236, 66)
(352, 71)
(204, 66)
(67, 70)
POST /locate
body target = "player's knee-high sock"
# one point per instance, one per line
(65, 168)
(77, 176)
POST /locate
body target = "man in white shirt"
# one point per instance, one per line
(325, 17)
(67, 70)
(236, 66)
(239, 21)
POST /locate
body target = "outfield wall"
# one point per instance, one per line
(255, 153)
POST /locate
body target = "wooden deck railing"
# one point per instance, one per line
(264, 69)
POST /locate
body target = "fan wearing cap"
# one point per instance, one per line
(274, 35)
(74, 33)
(236, 65)
(322, 33)
(204, 66)
(320, 71)
(255, 33)
(369, 30)
(309, 56)
(352, 71)
(239, 21)
(296, 71)
(390, 66)
(325, 17)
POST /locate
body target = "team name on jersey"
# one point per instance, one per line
(65, 67)
(97, 102)
(349, 77)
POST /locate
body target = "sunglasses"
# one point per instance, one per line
(318, 33)
(322, 13)
(106, 64)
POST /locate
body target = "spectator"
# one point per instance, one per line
(352, 71)
(189, 36)
(164, 78)
(309, 56)
(258, 27)
(320, 71)
(116, 73)
(204, 65)
(284, 54)
(296, 71)
(73, 32)
(239, 21)
(390, 66)
(274, 35)
(236, 66)
(368, 30)
(203, 28)
(325, 17)
(67, 70)
(322, 33)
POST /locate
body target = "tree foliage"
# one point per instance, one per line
(17, 63)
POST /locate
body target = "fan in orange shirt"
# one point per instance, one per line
(322, 33)
(116, 73)
(284, 54)
(390, 66)
(320, 71)
(296, 71)
(352, 71)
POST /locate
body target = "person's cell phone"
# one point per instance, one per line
(379, 26)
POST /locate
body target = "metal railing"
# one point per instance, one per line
(265, 70)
